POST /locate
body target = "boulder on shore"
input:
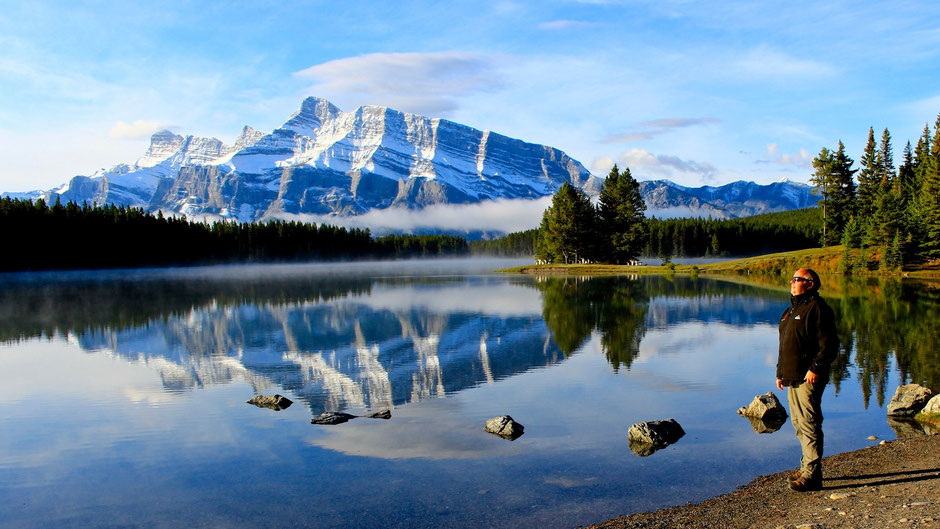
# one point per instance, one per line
(274, 402)
(505, 427)
(765, 407)
(908, 400)
(384, 414)
(332, 417)
(933, 406)
(648, 437)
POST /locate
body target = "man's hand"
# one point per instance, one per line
(811, 377)
(779, 384)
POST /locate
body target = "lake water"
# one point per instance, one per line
(122, 394)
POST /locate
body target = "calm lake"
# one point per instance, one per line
(122, 394)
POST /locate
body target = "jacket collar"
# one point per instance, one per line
(805, 297)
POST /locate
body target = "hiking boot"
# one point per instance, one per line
(805, 483)
(794, 476)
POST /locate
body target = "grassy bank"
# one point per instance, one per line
(826, 261)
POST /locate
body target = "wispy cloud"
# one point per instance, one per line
(644, 164)
(563, 25)
(763, 62)
(424, 83)
(650, 129)
(136, 130)
(773, 155)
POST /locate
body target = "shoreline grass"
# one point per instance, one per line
(824, 260)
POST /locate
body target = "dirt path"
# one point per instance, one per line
(896, 484)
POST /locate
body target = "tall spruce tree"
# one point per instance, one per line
(621, 214)
(886, 173)
(843, 190)
(568, 228)
(868, 177)
(823, 180)
(930, 197)
(906, 184)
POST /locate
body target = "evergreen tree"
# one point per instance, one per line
(622, 223)
(568, 226)
(843, 191)
(868, 178)
(930, 197)
(886, 173)
(823, 179)
(906, 184)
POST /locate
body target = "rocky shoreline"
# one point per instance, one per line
(893, 484)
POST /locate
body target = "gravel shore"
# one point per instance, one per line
(896, 484)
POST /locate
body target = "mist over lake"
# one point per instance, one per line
(122, 394)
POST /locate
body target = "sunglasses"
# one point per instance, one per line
(799, 279)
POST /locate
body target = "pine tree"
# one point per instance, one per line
(622, 223)
(930, 197)
(886, 173)
(843, 197)
(568, 227)
(868, 178)
(823, 180)
(906, 181)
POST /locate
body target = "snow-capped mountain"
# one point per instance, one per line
(738, 199)
(326, 161)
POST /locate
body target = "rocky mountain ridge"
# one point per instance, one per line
(332, 164)
(325, 161)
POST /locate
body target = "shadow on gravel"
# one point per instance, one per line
(907, 476)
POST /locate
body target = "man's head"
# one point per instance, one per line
(804, 280)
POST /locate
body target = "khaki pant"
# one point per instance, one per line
(806, 415)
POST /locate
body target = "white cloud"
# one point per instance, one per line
(137, 130)
(773, 155)
(657, 127)
(764, 62)
(644, 164)
(491, 215)
(562, 25)
(424, 83)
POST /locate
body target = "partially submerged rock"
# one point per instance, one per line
(332, 417)
(650, 436)
(505, 427)
(384, 414)
(274, 402)
(908, 400)
(765, 407)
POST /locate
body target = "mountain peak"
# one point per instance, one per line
(313, 112)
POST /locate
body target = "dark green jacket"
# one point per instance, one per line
(808, 339)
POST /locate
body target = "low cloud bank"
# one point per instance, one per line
(491, 216)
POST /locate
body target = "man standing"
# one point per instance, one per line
(808, 345)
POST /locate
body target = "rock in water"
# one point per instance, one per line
(504, 426)
(332, 417)
(384, 414)
(908, 400)
(765, 407)
(656, 432)
(275, 402)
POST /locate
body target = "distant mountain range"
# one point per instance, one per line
(323, 161)
(665, 199)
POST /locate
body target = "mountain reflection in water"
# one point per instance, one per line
(576, 360)
(352, 341)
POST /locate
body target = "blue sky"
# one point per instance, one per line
(698, 92)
